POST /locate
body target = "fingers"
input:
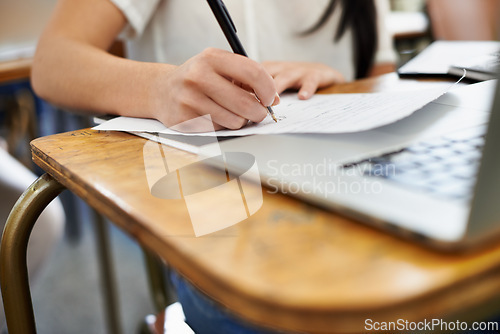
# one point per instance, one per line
(243, 70)
(307, 78)
(190, 106)
(233, 99)
(287, 80)
(231, 82)
(308, 87)
(231, 88)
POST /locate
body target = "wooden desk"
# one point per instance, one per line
(291, 265)
(15, 70)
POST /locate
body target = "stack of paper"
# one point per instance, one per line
(333, 113)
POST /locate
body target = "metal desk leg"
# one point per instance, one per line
(157, 282)
(107, 274)
(13, 267)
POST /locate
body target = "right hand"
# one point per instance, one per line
(215, 82)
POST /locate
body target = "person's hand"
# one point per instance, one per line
(306, 77)
(216, 83)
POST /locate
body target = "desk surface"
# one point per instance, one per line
(290, 265)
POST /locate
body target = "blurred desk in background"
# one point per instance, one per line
(407, 25)
(411, 32)
(14, 70)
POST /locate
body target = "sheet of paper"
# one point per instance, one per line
(332, 113)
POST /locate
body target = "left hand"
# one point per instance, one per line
(304, 76)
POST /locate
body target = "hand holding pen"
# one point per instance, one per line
(227, 25)
(205, 85)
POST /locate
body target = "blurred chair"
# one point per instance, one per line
(464, 19)
(21, 23)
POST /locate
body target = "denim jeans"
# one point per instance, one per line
(205, 316)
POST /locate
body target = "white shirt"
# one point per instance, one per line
(172, 31)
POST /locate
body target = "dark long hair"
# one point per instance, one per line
(361, 17)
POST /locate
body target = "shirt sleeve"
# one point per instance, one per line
(138, 14)
(385, 52)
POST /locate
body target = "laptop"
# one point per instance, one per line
(432, 177)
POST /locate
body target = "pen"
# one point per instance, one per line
(227, 25)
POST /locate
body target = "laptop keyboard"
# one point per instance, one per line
(444, 166)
